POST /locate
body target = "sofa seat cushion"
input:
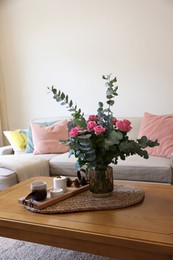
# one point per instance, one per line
(154, 169)
(134, 168)
(7, 178)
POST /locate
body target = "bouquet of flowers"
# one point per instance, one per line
(100, 139)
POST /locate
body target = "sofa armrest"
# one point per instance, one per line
(4, 150)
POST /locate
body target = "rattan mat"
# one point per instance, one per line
(121, 197)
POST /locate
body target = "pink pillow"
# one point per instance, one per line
(46, 138)
(161, 128)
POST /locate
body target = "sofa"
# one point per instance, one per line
(17, 167)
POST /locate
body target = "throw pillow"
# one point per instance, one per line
(158, 127)
(46, 138)
(30, 145)
(17, 139)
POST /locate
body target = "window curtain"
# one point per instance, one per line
(3, 109)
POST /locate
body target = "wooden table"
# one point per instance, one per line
(143, 231)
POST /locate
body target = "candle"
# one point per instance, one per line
(39, 185)
(55, 193)
(60, 182)
(39, 190)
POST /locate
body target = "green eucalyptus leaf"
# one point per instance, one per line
(58, 99)
(85, 148)
(87, 136)
(70, 103)
(109, 97)
(110, 102)
(114, 138)
(104, 77)
(62, 95)
(100, 104)
(66, 99)
(109, 92)
(63, 103)
(116, 135)
(54, 90)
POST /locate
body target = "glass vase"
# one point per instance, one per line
(101, 181)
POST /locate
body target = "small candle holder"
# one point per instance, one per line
(55, 193)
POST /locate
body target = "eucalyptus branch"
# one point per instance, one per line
(111, 92)
(59, 96)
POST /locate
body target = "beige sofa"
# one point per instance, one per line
(16, 168)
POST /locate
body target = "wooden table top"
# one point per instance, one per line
(140, 231)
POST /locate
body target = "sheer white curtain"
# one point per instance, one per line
(3, 109)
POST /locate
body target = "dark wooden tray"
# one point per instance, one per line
(71, 191)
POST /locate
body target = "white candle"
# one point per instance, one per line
(55, 193)
(60, 182)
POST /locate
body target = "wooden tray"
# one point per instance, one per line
(71, 191)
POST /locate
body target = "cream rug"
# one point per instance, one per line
(11, 249)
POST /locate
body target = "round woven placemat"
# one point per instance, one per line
(121, 197)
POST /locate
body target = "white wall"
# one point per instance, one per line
(72, 43)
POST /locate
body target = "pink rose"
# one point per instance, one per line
(91, 125)
(114, 120)
(99, 129)
(92, 118)
(123, 125)
(74, 131)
